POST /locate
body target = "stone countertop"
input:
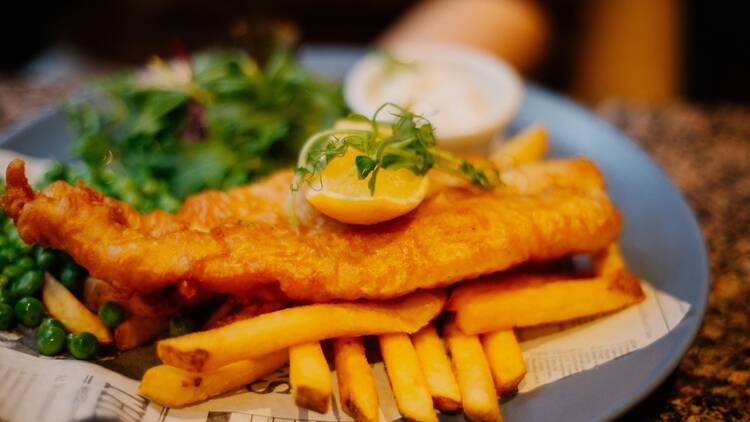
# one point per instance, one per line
(706, 152)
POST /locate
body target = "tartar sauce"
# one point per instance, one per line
(468, 96)
(447, 95)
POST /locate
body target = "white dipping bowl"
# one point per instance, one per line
(500, 88)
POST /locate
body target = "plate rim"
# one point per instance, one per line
(700, 308)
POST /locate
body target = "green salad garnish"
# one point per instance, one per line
(219, 120)
(153, 137)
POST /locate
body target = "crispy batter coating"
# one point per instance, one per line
(232, 242)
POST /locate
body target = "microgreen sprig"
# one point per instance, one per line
(407, 143)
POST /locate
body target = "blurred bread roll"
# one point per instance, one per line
(515, 30)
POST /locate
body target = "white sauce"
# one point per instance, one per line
(467, 95)
(449, 96)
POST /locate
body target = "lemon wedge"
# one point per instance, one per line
(343, 196)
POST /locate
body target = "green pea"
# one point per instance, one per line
(28, 284)
(26, 263)
(29, 311)
(45, 259)
(132, 198)
(51, 322)
(148, 205)
(82, 345)
(111, 314)
(9, 226)
(150, 187)
(7, 254)
(17, 243)
(6, 296)
(72, 276)
(180, 325)
(168, 203)
(50, 341)
(13, 271)
(22, 247)
(6, 316)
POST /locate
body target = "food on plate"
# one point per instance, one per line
(527, 146)
(357, 392)
(407, 380)
(64, 306)
(555, 297)
(372, 233)
(436, 367)
(505, 358)
(175, 387)
(473, 375)
(310, 376)
(249, 338)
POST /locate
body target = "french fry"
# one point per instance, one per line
(310, 377)
(137, 330)
(527, 146)
(505, 359)
(521, 300)
(436, 368)
(357, 392)
(407, 381)
(175, 387)
(609, 261)
(74, 315)
(473, 374)
(249, 338)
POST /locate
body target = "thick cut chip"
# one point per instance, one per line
(310, 377)
(473, 375)
(527, 146)
(174, 387)
(506, 360)
(520, 300)
(357, 391)
(436, 367)
(407, 381)
(278, 330)
(74, 315)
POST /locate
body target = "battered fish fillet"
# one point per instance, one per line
(233, 242)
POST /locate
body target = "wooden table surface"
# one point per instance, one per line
(706, 152)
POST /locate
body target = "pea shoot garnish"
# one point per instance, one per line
(408, 142)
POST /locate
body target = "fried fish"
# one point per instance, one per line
(235, 242)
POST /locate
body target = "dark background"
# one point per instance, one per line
(715, 64)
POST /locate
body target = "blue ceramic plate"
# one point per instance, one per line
(661, 242)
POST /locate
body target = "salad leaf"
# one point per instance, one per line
(214, 122)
